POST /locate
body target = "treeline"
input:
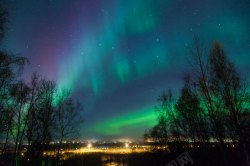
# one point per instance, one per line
(31, 114)
(212, 109)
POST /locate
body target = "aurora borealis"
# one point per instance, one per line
(117, 56)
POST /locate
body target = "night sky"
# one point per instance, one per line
(117, 56)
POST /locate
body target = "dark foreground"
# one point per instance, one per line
(208, 157)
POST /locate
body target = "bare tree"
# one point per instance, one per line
(214, 104)
(20, 93)
(40, 116)
(168, 108)
(159, 133)
(30, 121)
(46, 116)
(191, 114)
(209, 98)
(169, 130)
(10, 70)
(67, 118)
(230, 89)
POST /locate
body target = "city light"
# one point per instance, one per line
(89, 145)
(126, 145)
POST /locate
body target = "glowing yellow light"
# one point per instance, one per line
(89, 145)
(126, 145)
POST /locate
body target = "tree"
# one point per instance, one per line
(10, 69)
(159, 133)
(209, 98)
(20, 93)
(167, 109)
(214, 104)
(30, 121)
(30, 111)
(190, 113)
(168, 129)
(46, 116)
(223, 95)
(230, 89)
(66, 120)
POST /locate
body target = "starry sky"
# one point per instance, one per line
(117, 56)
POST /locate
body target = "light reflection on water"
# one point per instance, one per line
(113, 164)
(109, 160)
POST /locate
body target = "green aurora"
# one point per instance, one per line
(116, 57)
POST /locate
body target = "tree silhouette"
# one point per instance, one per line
(20, 93)
(10, 69)
(66, 121)
(191, 114)
(231, 91)
(29, 111)
(214, 104)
